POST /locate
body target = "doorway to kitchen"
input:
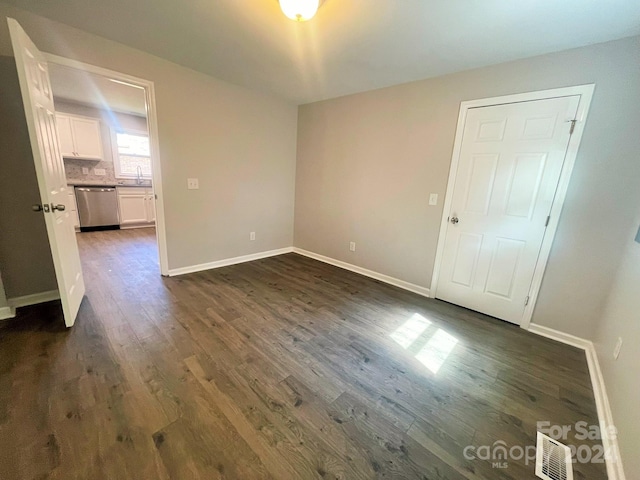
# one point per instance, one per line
(108, 140)
(83, 139)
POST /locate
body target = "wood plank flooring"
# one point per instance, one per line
(282, 368)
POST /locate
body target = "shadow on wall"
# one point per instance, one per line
(25, 256)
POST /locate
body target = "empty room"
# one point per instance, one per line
(313, 239)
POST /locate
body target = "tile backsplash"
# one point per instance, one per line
(73, 168)
(75, 176)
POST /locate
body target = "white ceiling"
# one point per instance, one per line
(351, 45)
(81, 87)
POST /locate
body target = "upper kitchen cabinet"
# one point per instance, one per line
(79, 137)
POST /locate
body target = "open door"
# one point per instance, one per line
(40, 113)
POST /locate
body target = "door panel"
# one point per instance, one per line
(491, 130)
(466, 260)
(510, 163)
(481, 179)
(41, 123)
(524, 184)
(539, 128)
(504, 266)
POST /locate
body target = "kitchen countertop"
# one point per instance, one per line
(120, 183)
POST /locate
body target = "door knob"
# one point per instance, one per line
(454, 220)
(60, 207)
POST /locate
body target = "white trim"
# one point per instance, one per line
(561, 337)
(331, 261)
(152, 126)
(131, 226)
(34, 299)
(367, 273)
(586, 93)
(615, 470)
(228, 261)
(7, 312)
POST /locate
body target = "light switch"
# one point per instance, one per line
(85, 171)
(192, 184)
(99, 172)
(433, 199)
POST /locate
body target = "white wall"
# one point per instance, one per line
(239, 143)
(367, 163)
(621, 319)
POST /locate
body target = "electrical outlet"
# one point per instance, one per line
(616, 351)
(99, 172)
(252, 236)
(192, 184)
(85, 171)
(352, 246)
(433, 199)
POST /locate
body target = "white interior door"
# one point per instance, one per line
(39, 110)
(510, 163)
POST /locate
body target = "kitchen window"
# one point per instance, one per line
(131, 153)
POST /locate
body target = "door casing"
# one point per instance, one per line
(152, 126)
(586, 94)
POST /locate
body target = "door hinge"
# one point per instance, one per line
(546, 223)
(573, 126)
(526, 301)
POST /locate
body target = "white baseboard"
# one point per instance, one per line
(560, 336)
(367, 273)
(615, 471)
(131, 227)
(228, 261)
(33, 299)
(7, 312)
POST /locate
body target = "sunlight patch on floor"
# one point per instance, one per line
(437, 350)
(409, 331)
(438, 347)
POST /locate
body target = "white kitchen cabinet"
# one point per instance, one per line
(151, 207)
(73, 207)
(79, 137)
(137, 207)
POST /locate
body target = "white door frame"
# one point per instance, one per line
(152, 125)
(586, 93)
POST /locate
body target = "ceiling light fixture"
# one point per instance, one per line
(299, 10)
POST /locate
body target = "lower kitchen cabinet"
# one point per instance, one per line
(73, 207)
(137, 207)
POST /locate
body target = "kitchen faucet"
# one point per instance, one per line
(139, 175)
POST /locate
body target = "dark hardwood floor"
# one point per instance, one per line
(282, 368)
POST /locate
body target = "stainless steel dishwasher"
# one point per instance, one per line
(97, 207)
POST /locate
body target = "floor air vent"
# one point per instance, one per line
(553, 459)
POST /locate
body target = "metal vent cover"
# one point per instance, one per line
(553, 459)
